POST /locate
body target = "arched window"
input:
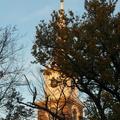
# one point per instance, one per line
(74, 114)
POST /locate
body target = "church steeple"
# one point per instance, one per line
(61, 96)
(61, 15)
(61, 5)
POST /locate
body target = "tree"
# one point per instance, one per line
(11, 69)
(55, 102)
(15, 111)
(43, 102)
(86, 50)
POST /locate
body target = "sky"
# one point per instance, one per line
(26, 14)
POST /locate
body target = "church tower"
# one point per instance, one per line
(61, 96)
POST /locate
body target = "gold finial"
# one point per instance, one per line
(61, 0)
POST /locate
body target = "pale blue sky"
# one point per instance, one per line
(26, 14)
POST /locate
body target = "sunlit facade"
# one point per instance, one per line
(60, 97)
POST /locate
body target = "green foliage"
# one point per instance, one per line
(87, 50)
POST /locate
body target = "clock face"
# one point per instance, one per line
(54, 83)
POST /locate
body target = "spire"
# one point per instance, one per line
(62, 21)
(61, 5)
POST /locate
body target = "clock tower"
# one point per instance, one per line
(61, 96)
